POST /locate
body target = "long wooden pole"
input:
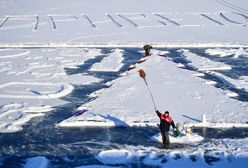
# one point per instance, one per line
(143, 75)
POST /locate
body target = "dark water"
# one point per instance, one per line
(220, 133)
(70, 147)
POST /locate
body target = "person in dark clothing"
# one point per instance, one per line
(165, 123)
(147, 49)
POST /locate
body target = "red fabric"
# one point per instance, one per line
(167, 119)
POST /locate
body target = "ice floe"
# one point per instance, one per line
(173, 88)
(31, 78)
(37, 162)
(223, 52)
(204, 64)
(112, 63)
(216, 153)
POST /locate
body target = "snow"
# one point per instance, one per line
(184, 138)
(115, 156)
(232, 94)
(43, 42)
(173, 90)
(217, 153)
(37, 162)
(31, 78)
(240, 83)
(112, 63)
(215, 68)
(10, 90)
(221, 52)
(218, 125)
(117, 22)
(204, 64)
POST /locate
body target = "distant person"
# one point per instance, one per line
(165, 123)
(147, 49)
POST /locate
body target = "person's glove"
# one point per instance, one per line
(176, 132)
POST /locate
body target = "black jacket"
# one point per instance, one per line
(165, 122)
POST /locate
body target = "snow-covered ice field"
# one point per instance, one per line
(110, 93)
(33, 81)
(64, 69)
(129, 23)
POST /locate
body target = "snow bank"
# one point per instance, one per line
(37, 162)
(127, 101)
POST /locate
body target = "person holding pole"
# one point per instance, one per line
(165, 123)
(165, 119)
